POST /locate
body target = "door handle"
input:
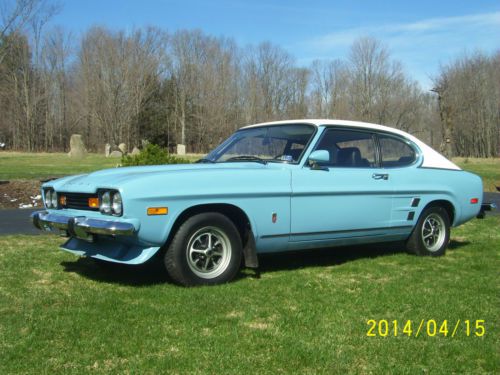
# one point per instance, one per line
(380, 176)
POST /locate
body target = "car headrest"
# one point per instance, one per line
(349, 156)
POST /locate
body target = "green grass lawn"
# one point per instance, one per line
(307, 313)
(488, 169)
(22, 165)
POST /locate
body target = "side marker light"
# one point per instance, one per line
(157, 211)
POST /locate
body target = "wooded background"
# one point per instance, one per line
(192, 88)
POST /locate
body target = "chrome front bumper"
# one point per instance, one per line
(80, 226)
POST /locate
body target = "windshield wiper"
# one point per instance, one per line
(255, 159)
(205, 160)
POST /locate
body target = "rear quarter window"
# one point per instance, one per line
(395, 152)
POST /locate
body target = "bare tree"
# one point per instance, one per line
(267, 73)
(14, 16)
(22, 84)
(23, 16)
(206, 72)
(117, 73)
(369, 86)
(329, 89)
(56, 51)
(195, 89)
(469, 100)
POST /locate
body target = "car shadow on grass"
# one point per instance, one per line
(153, 272)
(334, 256)
(456, 244)
(150, 273)
(325, 256)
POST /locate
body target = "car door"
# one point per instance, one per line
(399, 158)
(347, 197)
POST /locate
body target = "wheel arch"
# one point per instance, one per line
(447, 205)
(239, 218)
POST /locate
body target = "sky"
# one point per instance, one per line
(423, 34)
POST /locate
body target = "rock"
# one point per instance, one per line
(181, 149)
(77, 148)
(107, 149)
(123, 148)
(115, 154)
(135, 151)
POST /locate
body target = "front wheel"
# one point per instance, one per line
(431, 234)
(205, 250)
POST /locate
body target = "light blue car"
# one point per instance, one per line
(269, 187)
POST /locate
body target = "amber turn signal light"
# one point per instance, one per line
(157, 211)
(94, 202)
(62, 200)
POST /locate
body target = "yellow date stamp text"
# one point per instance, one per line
(425, 327)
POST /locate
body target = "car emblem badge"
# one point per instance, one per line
(274, 217)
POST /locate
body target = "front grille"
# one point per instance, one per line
(79, 201)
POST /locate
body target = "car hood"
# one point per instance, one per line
(118, 178)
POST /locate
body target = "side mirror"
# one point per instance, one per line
(318, 156)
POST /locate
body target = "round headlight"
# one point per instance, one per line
(105, 207)
(53, 199)
(48, 198)
(117, 204)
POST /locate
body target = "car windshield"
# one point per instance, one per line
(277, 143)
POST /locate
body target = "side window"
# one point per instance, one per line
(395, 152)
(348, 148)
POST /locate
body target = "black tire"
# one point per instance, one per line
(206, 250)
(431, 234)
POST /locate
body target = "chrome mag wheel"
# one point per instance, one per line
(433, 232)
(208, 252)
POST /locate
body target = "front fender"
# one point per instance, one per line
(258, 193)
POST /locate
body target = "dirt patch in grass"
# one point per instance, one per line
(258, 325)
(19, 193)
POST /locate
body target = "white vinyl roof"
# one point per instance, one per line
(432, 158)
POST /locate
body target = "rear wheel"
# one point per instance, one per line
(205, 250)
(431, 234)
